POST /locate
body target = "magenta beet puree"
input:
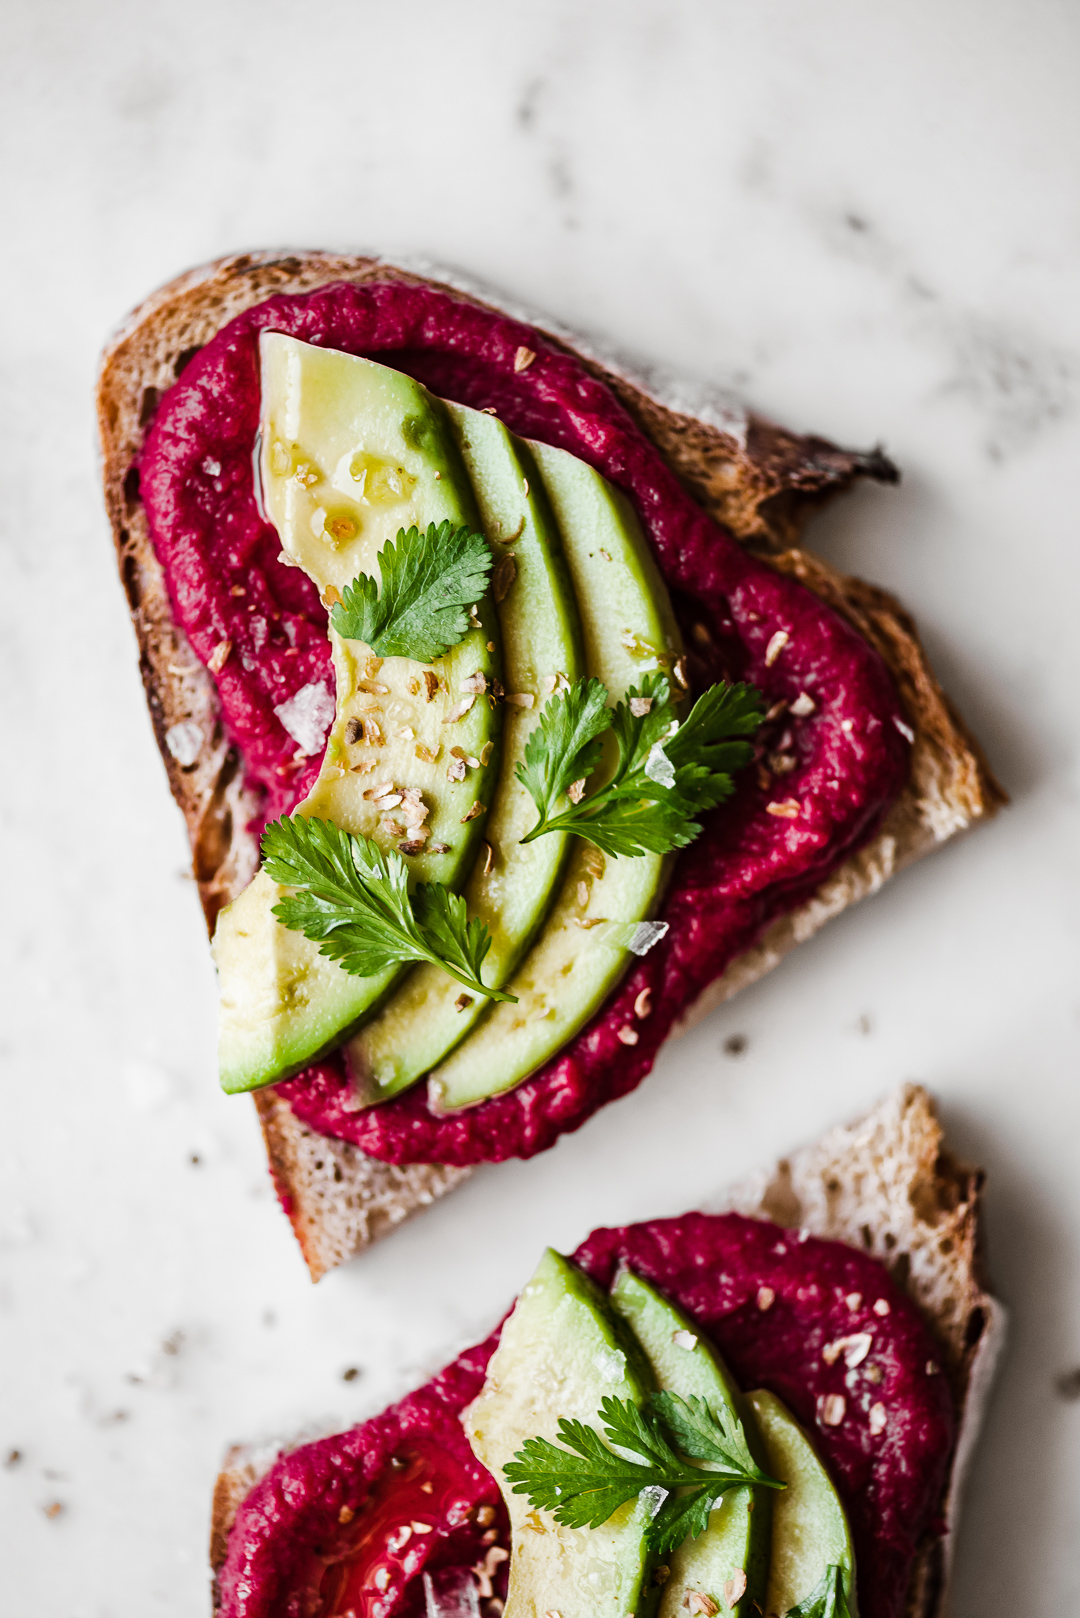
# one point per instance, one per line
(721, 1269)
(233, 596)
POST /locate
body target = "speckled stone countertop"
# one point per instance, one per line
(863, 221)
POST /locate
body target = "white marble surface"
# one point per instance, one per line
(864, 219)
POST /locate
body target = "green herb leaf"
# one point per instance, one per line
(666, 775)
(353, 901)
(584, 1483)
(827, 1600)
(565, 746)
(428, 583)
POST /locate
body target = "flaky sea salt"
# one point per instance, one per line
(307, 716)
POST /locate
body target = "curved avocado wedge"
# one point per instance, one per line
(810, 1531)
(560, 1354)
(512, 884)
(351, 453)
(629, 628)
(735, 1546)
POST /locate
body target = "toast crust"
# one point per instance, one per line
(887, 1185)
(759, 480)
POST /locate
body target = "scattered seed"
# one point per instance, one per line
(735, 1587)
(878, 1418)
(372, 688)
(476, 683)
(415, 845)
(640, 706)
(353, 731)
(697, 1602)
(576, 790)
(627, 1035)
(456, 770)
(775, 647)
(873, 1373)
(853, 1301)
(932, 1368)
(439, 848)
(831, 1408)
(331, 596)
(463, 1002)
(881, 1307)
(678, 674)
(684, 1339)
(786, 809)
(346, 1514)
(414, 688)
(219, 656)
(53, 1509)
(425, 755)
(585, 922)
(766, 1297)
(373, 735)
(489, 858)
(420, 1527)
(459, 710)
(643, 1004)
(477, 809)
(431, 684)
(485, 1516)
(782, 763)
(503, 577)
(803, 705)
(523, 358)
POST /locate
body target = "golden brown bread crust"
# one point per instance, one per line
(759, 480)
(888, 1185)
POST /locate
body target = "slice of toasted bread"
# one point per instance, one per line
(759, 480)
(886, 1185)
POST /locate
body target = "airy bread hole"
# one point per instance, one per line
(131, 486)
(184, 358)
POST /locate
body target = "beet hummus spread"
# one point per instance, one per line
(261, 629)
(819, 1324)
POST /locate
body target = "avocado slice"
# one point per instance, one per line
(512, 884)
(810, 1531)
(561, 1352)
(737, 1538)
(352, 452)
(629, 628)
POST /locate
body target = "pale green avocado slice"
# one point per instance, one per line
(629, 629)
(736, 1542)
(810, 1530)
(351, 453)
(512, 884)
(561, 1352)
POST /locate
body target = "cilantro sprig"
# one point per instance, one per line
(583, 1484)
(420, 609)
(352, 899)
(828, 1599)
(668, 773)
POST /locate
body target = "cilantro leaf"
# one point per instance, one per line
(585, 1482)
(565, 746)
(353, 901)
(667, 772)
(420, 607)
(827, 1600)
